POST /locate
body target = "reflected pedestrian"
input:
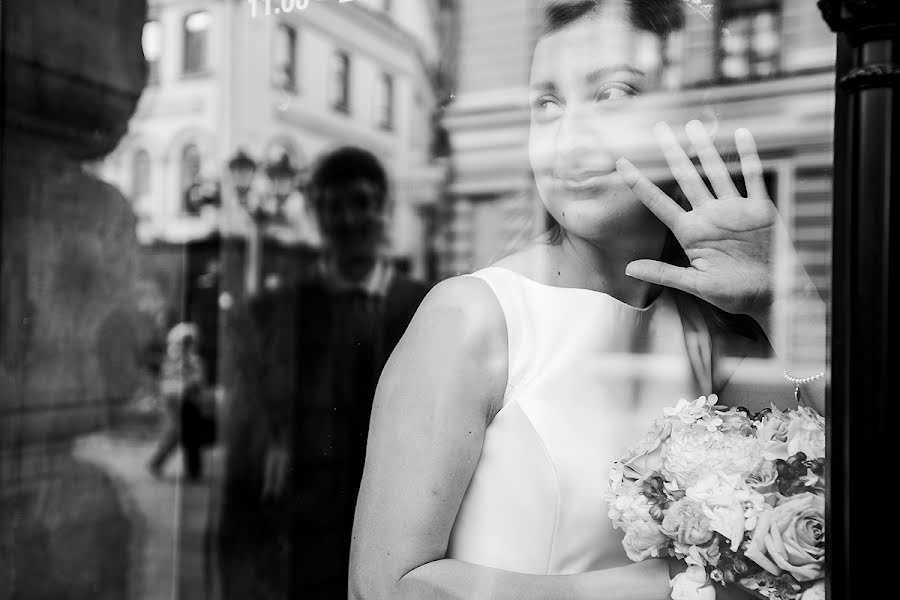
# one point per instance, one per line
(182, 382)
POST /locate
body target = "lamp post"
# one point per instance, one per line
(262, 206)
(242, 169)
(283, 179)
(865, 322)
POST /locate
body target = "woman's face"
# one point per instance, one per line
(585, 83)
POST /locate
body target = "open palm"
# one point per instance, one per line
(728, 238)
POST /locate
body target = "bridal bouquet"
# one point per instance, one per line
(738, 497)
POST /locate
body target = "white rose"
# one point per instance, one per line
(816, 592)
(693, 584)
(643, 540)
(693, 451)
(772, 433)
(806, 433)
(727, 503)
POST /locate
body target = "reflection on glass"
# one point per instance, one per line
(284, 67)
(196, 40)
(151, 41)
(384, 102)
(750, 39)
(88, 385)
(340, 81)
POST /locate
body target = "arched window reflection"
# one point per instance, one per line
(189, 173)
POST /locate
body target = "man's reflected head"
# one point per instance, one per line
(349, 187)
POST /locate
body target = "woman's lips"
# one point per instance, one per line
(585, 183)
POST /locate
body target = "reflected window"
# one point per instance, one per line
(140, 175)
(189, 174)
(196, 42)
(284, 64)
(672, 61)
(151, 42)
(340, 81)
(417, 126)
(750, 41)
(384, 102)
(382, 5)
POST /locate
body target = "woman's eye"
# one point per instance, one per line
(614, 93)
(547, 106)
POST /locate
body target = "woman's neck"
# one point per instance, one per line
(580, 263)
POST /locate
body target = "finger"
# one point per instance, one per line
(660, 273)
(681, 166)
(751, 166)
(712, 163)
(665, 209)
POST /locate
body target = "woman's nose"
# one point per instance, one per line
(580, 142)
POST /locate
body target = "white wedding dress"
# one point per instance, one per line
(587, 376)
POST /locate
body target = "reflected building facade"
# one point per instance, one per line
(235, 75)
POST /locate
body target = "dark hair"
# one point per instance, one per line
(346, 165)
(656, 16)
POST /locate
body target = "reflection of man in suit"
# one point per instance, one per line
(313, 360)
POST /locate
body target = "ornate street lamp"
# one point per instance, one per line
(242, 169)
(282, 176)
(263, 207)
(865, 322)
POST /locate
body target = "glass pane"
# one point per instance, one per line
(219, 372)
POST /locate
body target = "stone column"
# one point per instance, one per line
(73, 73)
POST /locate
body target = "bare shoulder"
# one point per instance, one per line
(458, 331)
(469, 304)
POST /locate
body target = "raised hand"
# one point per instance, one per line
(728, 239)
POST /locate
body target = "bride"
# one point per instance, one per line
(514, 388)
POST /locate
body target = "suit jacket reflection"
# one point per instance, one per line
(308, 359)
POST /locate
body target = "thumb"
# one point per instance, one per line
(660, 273)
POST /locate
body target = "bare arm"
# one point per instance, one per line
(439, 391)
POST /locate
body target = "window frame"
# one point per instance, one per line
(153, 67)
(385, 109)
(188, 69)
(731, 9)
(292, 76)
(341, 104)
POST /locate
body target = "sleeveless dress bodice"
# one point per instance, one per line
(587, 376)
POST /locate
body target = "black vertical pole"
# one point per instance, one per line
(865, 331)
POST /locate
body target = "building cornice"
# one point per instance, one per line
(379, 23)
